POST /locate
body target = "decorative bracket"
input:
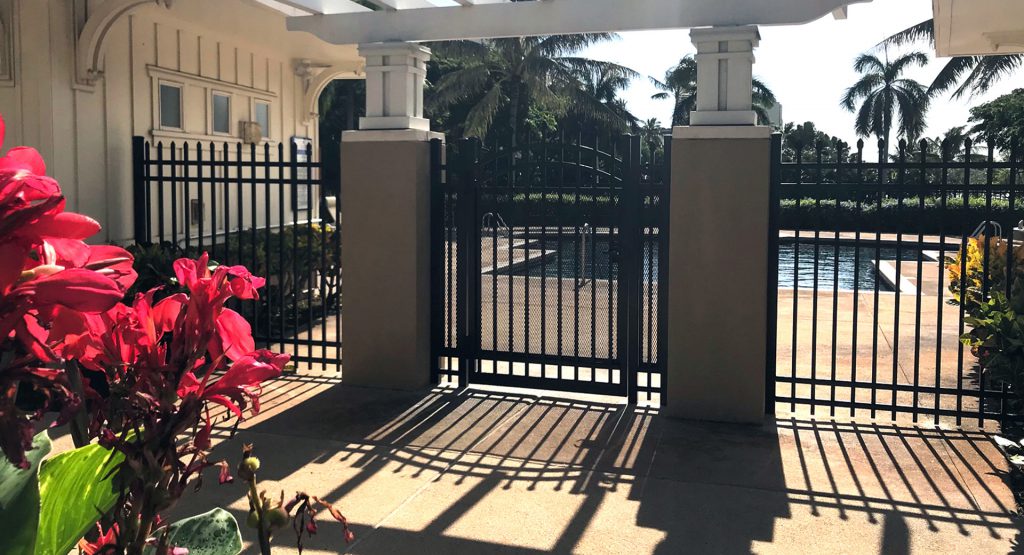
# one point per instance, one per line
(89, 47)
(315, 78)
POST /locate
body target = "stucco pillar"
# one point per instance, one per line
(718, 254)
(385, 226)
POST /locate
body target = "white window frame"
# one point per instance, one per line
(213, 116)
(270, 116)
(160, 105)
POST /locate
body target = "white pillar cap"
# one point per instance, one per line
(725, 59)
(395, 72)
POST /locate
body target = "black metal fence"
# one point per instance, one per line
(251, 206)
(871, 298)
(549, 265)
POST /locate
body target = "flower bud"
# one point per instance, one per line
(276, 517)
(247, 468)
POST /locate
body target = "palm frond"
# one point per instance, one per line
(459, 50)
(480, 117)
(912, 102)
(762, 94)
(864, 124)
(861, 89)
(565, 45)
(458, 86)
(866, 63)
(922, 32)
(987, 71)
(900, 64)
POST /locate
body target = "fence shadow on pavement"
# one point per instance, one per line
(475, 470)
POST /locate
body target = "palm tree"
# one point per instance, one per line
(884, 94)
(602, 82)
(650, 134)
(680, 84)
(505, 78)
(974, 74)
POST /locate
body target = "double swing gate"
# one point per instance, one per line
(548, 266)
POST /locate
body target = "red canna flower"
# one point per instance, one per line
(239, 384)
(105, 543)
(46, 268)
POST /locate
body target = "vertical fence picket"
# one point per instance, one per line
(877, 205)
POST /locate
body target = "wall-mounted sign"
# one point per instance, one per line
(303, 156)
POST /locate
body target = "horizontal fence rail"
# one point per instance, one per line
(870, 290)
(549, 259)
(261, 207)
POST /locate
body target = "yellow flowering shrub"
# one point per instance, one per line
(966, 281)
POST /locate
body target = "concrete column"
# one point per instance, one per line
(385, 225)
(385, 248)
(725, 58)
(718, 243)
(718, 267)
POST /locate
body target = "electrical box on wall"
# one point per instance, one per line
(251, 132)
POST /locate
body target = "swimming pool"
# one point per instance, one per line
(563, 261)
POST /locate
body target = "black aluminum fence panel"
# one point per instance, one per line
(548, 259)
(261, 207)
(865, 320)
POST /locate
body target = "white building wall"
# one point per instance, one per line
(84, 132)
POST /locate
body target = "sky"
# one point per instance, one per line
(808, 67)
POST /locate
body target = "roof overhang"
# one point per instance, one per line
(978, 27)
(347, 22)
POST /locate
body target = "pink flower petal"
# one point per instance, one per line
(78, 289)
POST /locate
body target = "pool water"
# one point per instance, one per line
(597, 264)
(852, 270)
(566, 262)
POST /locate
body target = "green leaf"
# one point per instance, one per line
(76, 489)
(19, 499)
(212, 533)
(13, 479)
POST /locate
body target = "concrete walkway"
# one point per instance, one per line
(477, 471)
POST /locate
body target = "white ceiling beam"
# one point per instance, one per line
(550, 17)
(392, 5)
(327, 7)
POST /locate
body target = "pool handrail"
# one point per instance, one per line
(984, 225)
(494, 221)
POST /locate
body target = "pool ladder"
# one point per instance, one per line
(581, 253)
(497, 225)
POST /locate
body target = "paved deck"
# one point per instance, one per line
(492, 472)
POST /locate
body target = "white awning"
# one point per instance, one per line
(352, 22)
(978, 27)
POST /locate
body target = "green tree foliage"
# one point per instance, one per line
(962, 74)
(680, 84)
(341, 105)
(651, 137)
(806, 138)
(505, 84)
(883, 96)
(1001, 120)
